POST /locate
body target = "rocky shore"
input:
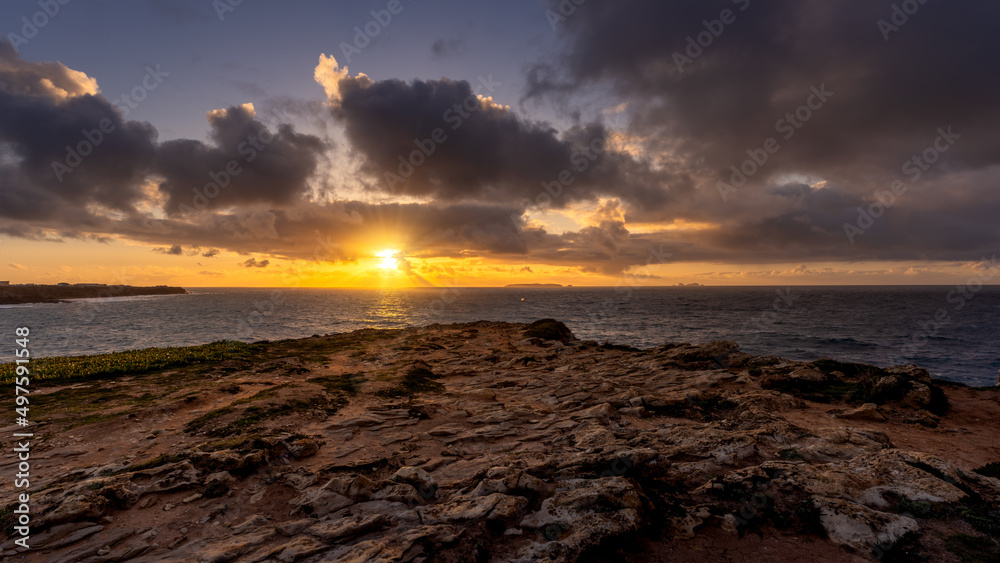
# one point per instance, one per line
(505, 442)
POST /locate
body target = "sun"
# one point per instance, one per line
(388, 261)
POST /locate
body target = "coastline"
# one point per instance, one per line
(40, 293)
(506, 442)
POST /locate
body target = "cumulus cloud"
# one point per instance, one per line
(699, 109)
(449, 141)
(67, 155)
(247, 163)
(57, 160)
(887, 98)
(51, 79)
(329, 75)
(451, 172)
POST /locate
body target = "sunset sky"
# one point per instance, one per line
(394, 143)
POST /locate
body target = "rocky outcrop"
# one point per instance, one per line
(498, 442)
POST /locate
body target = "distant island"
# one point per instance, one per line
(533, 285)
(37, 293)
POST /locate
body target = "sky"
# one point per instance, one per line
(394, 143)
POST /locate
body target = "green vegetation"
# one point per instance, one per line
(95, 418)
(160, 460)
(252, 416)
(130, 362)
(198, 423)
(239, 443)
(982, 518)
(260, 395)
(923, 509)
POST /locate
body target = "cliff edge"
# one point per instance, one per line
(505, 442)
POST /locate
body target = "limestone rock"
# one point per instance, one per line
(865, 530)
(420, 479)
(340, 528)
(867, 411)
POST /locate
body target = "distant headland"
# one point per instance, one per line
(38, 293)
(533, 285)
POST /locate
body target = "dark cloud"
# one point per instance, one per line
(484, 152)
(889, 96)
(174, 250)
(338, 232)
(67, 154)
(253, 263)
(685, 127)
(247, 163)
(65, 146)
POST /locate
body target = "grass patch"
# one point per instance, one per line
(199, 422)
(250, 417)
(259, 396)
(144, 399)
(129, 362)
(923, 509)
(95, 418)
(254, 415)
(982, 518)
(238, 443)
(416, 381)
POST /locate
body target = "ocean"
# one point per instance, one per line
(952, 331)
